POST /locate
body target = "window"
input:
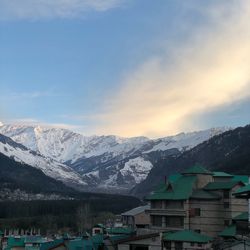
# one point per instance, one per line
(167, 245)
(156, 204)
(178, 246)
(174, 204)
(197, 212)
(226, 194)
(175, 221)
(156, 221)
(192, 244)
(197, 231)
(226, 204)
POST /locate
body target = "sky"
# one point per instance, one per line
(125, 67)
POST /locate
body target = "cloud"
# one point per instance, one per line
(209, 71)
(48, 9)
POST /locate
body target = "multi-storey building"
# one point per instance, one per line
(196, 200)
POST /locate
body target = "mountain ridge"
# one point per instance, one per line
(110, 163)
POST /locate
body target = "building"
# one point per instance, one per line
(137, 217)
(186, 239)
(198, 200)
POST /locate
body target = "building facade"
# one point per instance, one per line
(197, 200)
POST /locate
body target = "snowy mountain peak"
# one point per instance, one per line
(110, 162)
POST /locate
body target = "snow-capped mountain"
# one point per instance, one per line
(104, 162)
(47, 165)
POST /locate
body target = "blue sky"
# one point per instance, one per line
(132, 67)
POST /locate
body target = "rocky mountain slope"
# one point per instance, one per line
(228, 152)
(19, 181)
(48, 166)
(107, 163)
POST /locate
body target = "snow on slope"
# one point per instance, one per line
(185, 141)
(103, 161)
(48, 166)
(64, 145)
(138, 167)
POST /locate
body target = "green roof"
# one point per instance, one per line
(174, 177)
(80, 244)
(181, 189)
(242, 216)
(186, 236)
(222, 174)
(117, 237)
(204, 195)
(16, 241)
(242, 178)
(121, 230)
(228, 232)
(51, 244)
(242, 190)
(221, 185)
(197, 169)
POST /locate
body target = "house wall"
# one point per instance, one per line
(212, 217)
(237, 206)
(142, 219)
(189, 246)
(203, 180)
(152, 243)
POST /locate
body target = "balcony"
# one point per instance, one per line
(166, 211)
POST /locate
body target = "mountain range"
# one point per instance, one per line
(95, 163)
(229, 152)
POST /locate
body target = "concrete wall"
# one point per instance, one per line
(152, 243)
(142, 219)
(203, 180)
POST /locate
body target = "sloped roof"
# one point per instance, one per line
(243, 190)
(34, 239)
(181, 189)
(242, 178)
(78, 244)
(228, 232)
(51, 244)
(120, 230)
(197, 169)
(242, 216)
(136, 210)
(186, 236)
(204, 195)
(16, 241)
(221, 185)
(221, 174)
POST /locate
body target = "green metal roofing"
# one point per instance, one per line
(204, 195)
(242, 216)
(117, 237)
(242, 190)
(242, 178)
(221, 185)
(181, 189)
(51, 244)
(80, 244)
(197, 169)
(16, 241)
(34, 239)
(186, 236)
(174, 177)
(228, 232)
(121, 230)
(222, 174)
